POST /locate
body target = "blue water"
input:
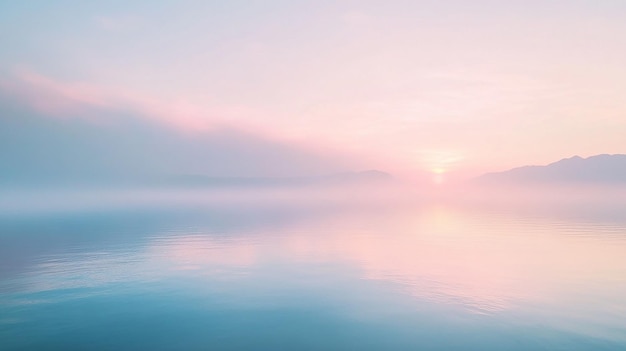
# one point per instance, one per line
(311, 277)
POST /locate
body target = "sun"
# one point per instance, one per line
(438, 175)
(439, 162)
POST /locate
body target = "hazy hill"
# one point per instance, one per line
(601, 169)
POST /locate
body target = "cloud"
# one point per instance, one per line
(61, 98)
(74, 132)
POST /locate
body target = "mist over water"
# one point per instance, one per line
(313, 175)
(336, 268)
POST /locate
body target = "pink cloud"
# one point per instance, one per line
(81, 100)
(67, 99)
(72, 99)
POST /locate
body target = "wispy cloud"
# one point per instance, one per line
(64, 98)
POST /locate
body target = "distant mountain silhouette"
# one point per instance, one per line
(370, 176)
(603, 169)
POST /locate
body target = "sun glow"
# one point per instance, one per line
(439, 163)
(438, 175)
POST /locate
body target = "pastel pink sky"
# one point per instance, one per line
(441, 86)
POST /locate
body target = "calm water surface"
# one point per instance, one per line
(289, 277)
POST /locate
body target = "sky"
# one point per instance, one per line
(410, 87)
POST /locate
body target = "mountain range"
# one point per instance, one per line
(600, 169)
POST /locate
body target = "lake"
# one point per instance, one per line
(317, 275)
